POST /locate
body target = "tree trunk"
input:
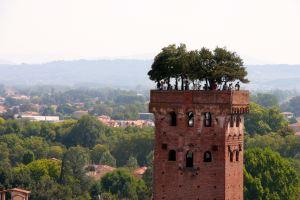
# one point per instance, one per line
(206, 83)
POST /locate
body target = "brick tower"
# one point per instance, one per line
(198, 144)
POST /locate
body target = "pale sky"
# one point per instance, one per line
(261, 31)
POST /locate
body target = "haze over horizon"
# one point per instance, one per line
(33, 31)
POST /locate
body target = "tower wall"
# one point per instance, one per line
(222, 178)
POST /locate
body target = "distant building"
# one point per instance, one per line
(146, 116)
(139, 172)
(78, 114)
(32, 113)
(15, 194)
(98, 171)
(20, 97)
(2, 109)
(124, 123)
(288, 115)
(136, 123)
(108, 121)
(2, 99)
(38, 118)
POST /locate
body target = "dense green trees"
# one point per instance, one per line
(85, 132)
(293, 105)
(107, 159)
(40, 176)
(73, 171)
(269, 176)
(132, 163)
(263, 120)
(138, 144)
(265, 100)
(25, 147)
(97, 152)
(214, 67)
(288, 146)
(125, 186)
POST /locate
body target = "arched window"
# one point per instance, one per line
(207, 119)
(238, 120)
(207, 156)
(237, 153)
(189, 159)
(231, 121)
(173, 119)
(172, 155)
(190, 118)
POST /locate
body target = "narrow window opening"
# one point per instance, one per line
(207, 156)
(189, 159)
(231, 156)
(190, 116)
(172, 155)
(164, 146)
(238, 120)
(173, 119)
(207, 119)
(237, 153)
(231, 121)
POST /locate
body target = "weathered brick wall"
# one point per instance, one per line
(219, 179)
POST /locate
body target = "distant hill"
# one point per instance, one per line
(274, 76)
(113, 73)
(126, 73)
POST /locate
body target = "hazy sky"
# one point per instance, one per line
(262, 31)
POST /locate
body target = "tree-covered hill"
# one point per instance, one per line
(129, 74)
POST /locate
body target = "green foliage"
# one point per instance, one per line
(265, 100)
(137, 143)
(214, 67)
(107, 159)
(132, 163)
(268, 176)
(86, 132)
(293, 120)
(55, 152)
(16, 147)
(124, 185)
(288, 146)
(41, 177)
(262, 120)
(74, 160)
(73, 173)
(293, 105)
(97, 152)
(96, 192)
(148, 177)
(4, 156)
(37, 145)
(28, 157)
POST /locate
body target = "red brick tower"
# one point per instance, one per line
(198, 144)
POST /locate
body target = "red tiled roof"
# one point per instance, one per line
(19, 190)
